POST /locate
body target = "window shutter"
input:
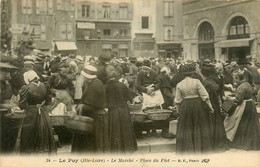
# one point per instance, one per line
(70, 31)
(43, 32)
(92, 11)
(165, 8)
(72, 5)
(150, 23)
(50, 6)
(24, 7)
(29, 7)
(171, 8)
(79, 10)
(38, 6)
(58, 4)
(63, 31)
(130, 11)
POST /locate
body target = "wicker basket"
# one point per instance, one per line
(82, 125)
(138, 117)
(158, 115)
(135, 107)
(58, 120)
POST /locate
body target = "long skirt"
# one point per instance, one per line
(37, 134)
(220, 141)
(98, 142)
(121, 131)
(193, 129)
(247, 136)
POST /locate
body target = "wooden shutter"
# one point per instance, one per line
(72, 5)
(29, 6)
(92, 10)
(24, 7)
(130, 11)
(38, 6)
(70, 31)
(63, 31)
(171, 9)
(43, 32)
(50, 6)
(79, 10)
(58, 4)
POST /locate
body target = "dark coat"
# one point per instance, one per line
(166, 90)
(143, 81)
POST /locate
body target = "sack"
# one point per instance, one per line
(229, 107)
(152, 100)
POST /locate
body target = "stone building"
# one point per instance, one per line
(169, 28)
(144, 28)
(48, 22)
(221, 30)
(104, 27)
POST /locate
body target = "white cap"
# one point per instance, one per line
(89, 72)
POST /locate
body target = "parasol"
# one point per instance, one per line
(6, 65)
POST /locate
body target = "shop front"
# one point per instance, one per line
(144, 45)
(65, 48)
(169, 50)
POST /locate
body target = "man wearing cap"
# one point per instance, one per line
(92, 104)
(101, 67)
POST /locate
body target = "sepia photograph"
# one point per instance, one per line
(129, 83)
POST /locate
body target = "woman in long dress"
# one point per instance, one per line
(37, 134)
(220, 142)
(92, 105)
(193, 129)
(242, 127)
(121, 131)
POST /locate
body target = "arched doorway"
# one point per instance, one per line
(206, 41)
(238, 29)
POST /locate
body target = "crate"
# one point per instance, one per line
(173, 127)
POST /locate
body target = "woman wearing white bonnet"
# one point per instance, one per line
(29, 76)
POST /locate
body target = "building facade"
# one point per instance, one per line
(45, 21)
(221, 30)
(144, 28)
(104, 27)
(169, 28)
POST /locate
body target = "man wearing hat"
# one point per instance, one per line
(103, 61)
(92, 104)
(244, 70)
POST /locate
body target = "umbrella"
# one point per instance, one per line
(6, 65)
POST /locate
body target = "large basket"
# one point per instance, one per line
(83, 125)
(135, 107)
(158, 115)
(58, 120)
(138, 117)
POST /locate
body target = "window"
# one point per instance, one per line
(85, 10)
(27, 6)
(106, 11)
(106, 32)
(67, 5)
(168, 8)
(44, 6)
(206, 32)
(66, 31)
(123, 31)
(145, 22)
(38, 32)
(123, 12)
(168, 33)
(239, 28)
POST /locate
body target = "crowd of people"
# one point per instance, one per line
(101, 87)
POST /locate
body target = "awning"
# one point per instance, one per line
(86, 25)
(43, 45)
(234, 43)
(66, 46)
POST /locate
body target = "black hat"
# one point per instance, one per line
(188, 68)
(104, 58)
(147, 63)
